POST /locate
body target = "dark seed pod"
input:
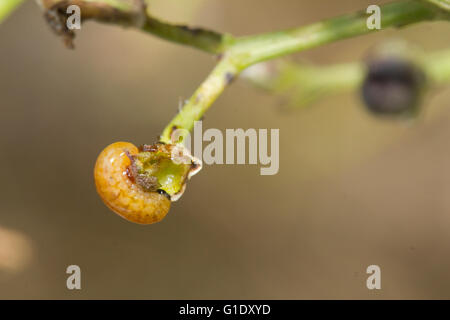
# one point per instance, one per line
(393, 86)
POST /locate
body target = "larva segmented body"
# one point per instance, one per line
(120, 193)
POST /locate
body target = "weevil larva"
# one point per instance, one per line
(118, 190)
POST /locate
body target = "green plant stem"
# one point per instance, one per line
(224, 72)
(246, 51)
(133, 13)
(7, 7)
(203, 39)
(304, 83)
(261, 47)
(236, 54)
(254, 49)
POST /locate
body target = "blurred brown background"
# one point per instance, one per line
(352, 190)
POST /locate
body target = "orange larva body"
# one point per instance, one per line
(122, 195)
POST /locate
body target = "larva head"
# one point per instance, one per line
(139, 184)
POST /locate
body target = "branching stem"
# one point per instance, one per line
(246, 51)
(236, 54)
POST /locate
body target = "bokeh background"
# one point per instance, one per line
(352, 190)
